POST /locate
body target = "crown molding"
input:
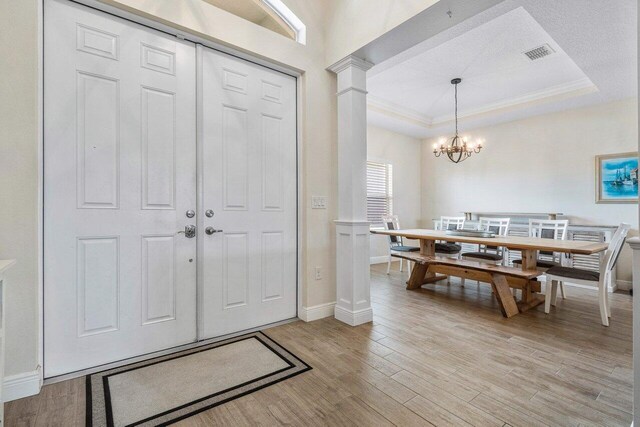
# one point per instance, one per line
(350, 61)
(575, 88)
(397, 111)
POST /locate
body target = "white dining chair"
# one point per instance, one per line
(448, 249)
(601, 279)
(451, 223)
(396, 243)
(490, 254)
(548, 229)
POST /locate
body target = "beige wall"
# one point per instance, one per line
(403, 152)
(539, 164)
(18, 179)
(352, 24)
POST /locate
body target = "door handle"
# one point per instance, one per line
(189, 231)
(211, 230)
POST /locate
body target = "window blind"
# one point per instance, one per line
(379, 191)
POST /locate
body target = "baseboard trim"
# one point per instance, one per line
(21, 385)
(354, 318)
(382, 259)
(379, 259)
(624, 285)
(309, 314)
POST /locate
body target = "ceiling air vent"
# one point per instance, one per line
(539, 52)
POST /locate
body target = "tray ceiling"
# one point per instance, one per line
(411, 93)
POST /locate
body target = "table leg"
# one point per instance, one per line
(504, 296)
(416, 280)
(529, 262)
(428, 247)
(529, 298)
(419, 274)
(529, 259)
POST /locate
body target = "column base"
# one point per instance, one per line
(353, 301)
(353, 318)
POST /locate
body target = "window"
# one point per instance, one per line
(379, 192)
(273, 15)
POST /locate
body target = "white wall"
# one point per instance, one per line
(540, 164)
(352, 24)
(403, 152)
(18, 179)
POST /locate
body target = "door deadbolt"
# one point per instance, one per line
(209, 213)
(190, 213)
(189, 231)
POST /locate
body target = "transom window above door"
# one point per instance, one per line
(273, 15)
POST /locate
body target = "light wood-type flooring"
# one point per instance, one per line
(442, 355)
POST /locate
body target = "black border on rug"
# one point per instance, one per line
(255, 335)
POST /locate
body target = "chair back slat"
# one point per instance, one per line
(549, 229)
(617, 254)
(498, 226)
(391, 222)
(451, 223)
(615, 247)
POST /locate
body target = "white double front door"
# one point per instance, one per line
(136, 135)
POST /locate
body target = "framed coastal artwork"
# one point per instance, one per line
(617, 178)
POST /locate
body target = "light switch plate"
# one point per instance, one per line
(318, 202)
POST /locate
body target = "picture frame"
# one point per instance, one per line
(617, 178)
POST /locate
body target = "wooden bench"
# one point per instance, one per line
(501, 278)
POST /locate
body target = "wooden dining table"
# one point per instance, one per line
(428, 265)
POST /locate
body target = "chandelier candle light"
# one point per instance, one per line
(458, 148)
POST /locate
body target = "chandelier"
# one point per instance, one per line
(459, 148)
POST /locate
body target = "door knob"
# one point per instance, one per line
(209, 213)
(211, 230)
(189, 231)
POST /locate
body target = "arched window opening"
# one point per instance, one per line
(271, 14)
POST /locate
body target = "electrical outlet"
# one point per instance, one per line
(318, 202)
(318, 273)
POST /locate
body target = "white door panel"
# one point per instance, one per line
(119, 175)
(248, 138)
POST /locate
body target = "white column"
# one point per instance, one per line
(353, 298)
(635, 245)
